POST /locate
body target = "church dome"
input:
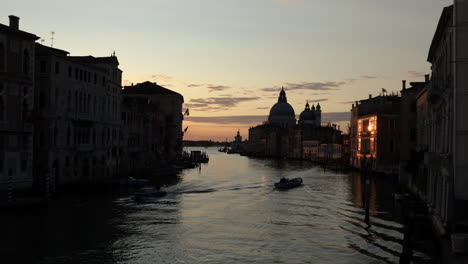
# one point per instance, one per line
(282, 109)
(282, 112)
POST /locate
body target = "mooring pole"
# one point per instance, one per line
(10, 187)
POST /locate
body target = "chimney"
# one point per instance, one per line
(404, 84)
(370, 96)
(14, 22)
(426, 78)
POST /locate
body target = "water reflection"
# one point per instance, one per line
(227, 212)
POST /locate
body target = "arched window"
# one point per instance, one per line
(2, 57)
(26, 62)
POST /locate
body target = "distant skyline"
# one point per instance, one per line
(229, 58)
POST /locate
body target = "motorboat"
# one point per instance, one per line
(148, 192)
(286, 183)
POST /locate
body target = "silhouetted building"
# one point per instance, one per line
(442, 131)
(77, 117)
(408, 126)
(375, 132)
(280, 136)
(237, 145)
(169, 104)
(16, 103)
(144, 135)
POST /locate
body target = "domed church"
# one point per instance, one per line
(311, 116)
(282, 114)
(281, 136)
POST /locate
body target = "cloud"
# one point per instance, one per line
(262, 108)
(162, 77)
(348, 102)
(369, 77)
(318, 100)
(210, 87)
(416, 74)
(213, 88)
(196, 85)
(254, 119)
(195, 105)
(223, 101)
(332, 117)
(311, 86)
(363, 77)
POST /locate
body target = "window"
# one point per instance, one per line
(95, 78)
(26, 62)
(42, 99)
(55, 135)
(68, 136)
(2, 57)
(24, 165)
(25, 111)
(43, 66)
(391, 146)
(57, 67)
(103, 80)
(2, 108)
(77, 74)
(70, 74)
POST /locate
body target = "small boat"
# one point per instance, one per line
(286, 183)
(131, 181)
(148, 192)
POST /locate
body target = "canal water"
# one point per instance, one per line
(225, 212)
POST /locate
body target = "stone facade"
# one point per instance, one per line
(17, 53)
(77, 117)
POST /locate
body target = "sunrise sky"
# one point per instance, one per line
(229, 58)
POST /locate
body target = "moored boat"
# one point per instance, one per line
(286, 183)
(148, 192)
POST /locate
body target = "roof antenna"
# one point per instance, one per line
(52, 33)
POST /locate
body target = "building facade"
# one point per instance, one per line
(169, 104)
(77, 117)
(17, 53)
(375, 133)
(283, 137)
(144, 128)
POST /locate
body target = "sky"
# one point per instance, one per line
(230, 58)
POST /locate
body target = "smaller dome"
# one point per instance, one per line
(307, 114)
